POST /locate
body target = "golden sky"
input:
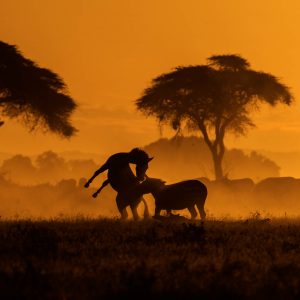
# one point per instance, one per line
(108, 51)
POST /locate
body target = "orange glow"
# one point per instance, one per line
(108, 51)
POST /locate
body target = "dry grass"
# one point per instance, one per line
(89, 259)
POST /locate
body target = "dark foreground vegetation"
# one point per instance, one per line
(90, 259)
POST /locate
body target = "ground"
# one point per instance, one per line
(95, 258)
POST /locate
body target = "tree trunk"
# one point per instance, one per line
(216, 148)
(218, 167)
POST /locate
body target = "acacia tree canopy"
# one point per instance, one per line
(214, 99)
(36, 96)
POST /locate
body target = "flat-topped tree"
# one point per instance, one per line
(36, 96)
(213, 99)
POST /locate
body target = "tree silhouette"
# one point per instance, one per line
(19, 168)
(34, 95)
(182, 157)
(51, 166)
(213, 99)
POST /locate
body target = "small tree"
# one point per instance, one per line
(212, 99)
(51, 166)
(34, 95)
(19, 168)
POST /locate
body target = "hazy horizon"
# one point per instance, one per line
(289, 162)
(108, 51)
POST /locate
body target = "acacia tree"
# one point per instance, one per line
(36, 96)
(212, 99)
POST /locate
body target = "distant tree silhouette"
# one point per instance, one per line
(48, 167)
(81, 166)
(19, 168)
(51, 166)
(182, 158)
(34, 95)
(253, 165)
(212, 99)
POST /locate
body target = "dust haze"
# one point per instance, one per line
(50, 185)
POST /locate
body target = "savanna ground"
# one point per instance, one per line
(82, 258)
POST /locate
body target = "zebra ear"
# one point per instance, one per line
(150, 158)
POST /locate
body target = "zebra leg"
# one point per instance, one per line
(124, 214)
(121, 206)
(157, 211)
(146, 210)
(104, 184)
(134, 212)
(201, 210)
(193, 212)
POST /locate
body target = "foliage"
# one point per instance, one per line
(189, 157)
(36, 96)
(90, 259)
(46, 167)
(213, 99)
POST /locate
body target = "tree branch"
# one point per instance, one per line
(226, 123)
(205, 134)
(217, 132)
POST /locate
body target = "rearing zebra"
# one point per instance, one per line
(122, 179)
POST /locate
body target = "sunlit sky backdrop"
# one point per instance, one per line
(108, 51)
